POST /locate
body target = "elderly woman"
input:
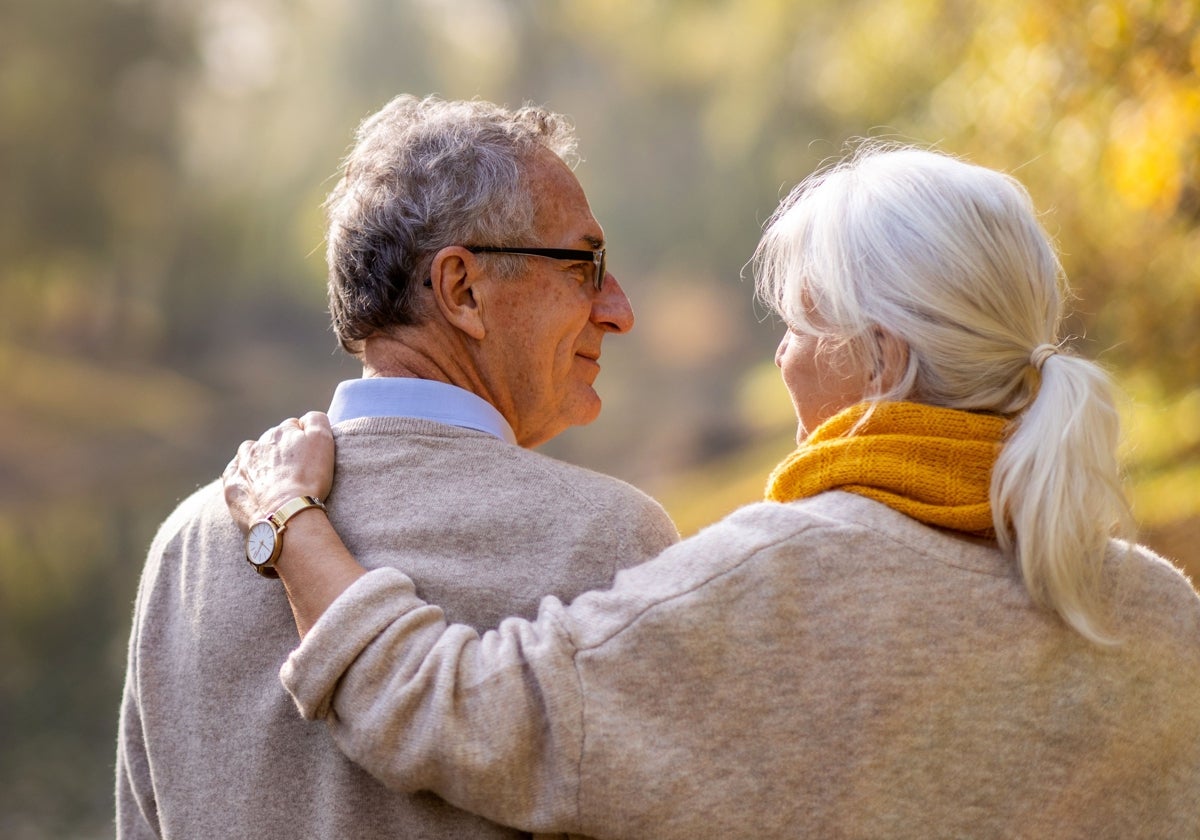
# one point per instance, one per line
(927, 630)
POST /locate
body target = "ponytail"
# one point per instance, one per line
(950, 259)
(1056, 491)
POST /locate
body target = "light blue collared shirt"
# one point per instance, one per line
(397, 396)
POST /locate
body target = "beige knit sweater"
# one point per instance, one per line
(827, 668)
(211, 746)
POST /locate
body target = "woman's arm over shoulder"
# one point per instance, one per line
(496, 724)
(490, 724)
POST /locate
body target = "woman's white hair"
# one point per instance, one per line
(949, 259)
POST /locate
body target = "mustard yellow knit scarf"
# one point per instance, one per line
(933, 464)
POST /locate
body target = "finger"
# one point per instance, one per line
(244, 452)
(232, 490)
(236, 490)
(235, 473)
(317, 421)
(276, 433)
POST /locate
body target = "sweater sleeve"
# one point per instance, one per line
(492, 724)
(564, 723)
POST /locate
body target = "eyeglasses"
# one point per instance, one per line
(597, 257)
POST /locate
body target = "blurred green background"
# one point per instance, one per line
(162, 163)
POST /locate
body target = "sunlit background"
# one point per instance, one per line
(162, 163)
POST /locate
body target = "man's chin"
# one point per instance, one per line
(581, 413)
(588, 408)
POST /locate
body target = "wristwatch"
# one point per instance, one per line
(264, 541)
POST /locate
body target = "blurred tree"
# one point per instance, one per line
(87, 89)
(87, 92)
(1094, 104)
(1097, 104)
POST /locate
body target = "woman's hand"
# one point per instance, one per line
(292, 459)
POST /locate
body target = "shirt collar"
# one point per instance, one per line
(394, 396)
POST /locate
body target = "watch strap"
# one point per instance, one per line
(278, 521)
(289, 509)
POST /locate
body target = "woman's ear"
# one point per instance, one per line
(453, 276)
(891, 360)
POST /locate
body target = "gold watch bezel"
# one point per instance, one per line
(278, 522)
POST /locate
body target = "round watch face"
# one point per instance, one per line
(260, 543)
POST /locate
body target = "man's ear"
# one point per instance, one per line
(453, 275)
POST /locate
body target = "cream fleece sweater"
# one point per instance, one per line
(210, 746)
(827, 668)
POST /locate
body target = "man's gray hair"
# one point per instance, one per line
(425, 174)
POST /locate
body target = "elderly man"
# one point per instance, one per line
(468, 274)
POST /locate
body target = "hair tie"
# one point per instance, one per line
(1040, 354)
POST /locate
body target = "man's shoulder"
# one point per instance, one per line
(385, 465)
(555, 467)
(585, 484)
(376, 446)
(202, 509)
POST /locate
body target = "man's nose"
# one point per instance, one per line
(611, 309)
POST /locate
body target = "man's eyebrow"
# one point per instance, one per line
(595, 241)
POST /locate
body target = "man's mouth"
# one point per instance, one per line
(591, 361)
